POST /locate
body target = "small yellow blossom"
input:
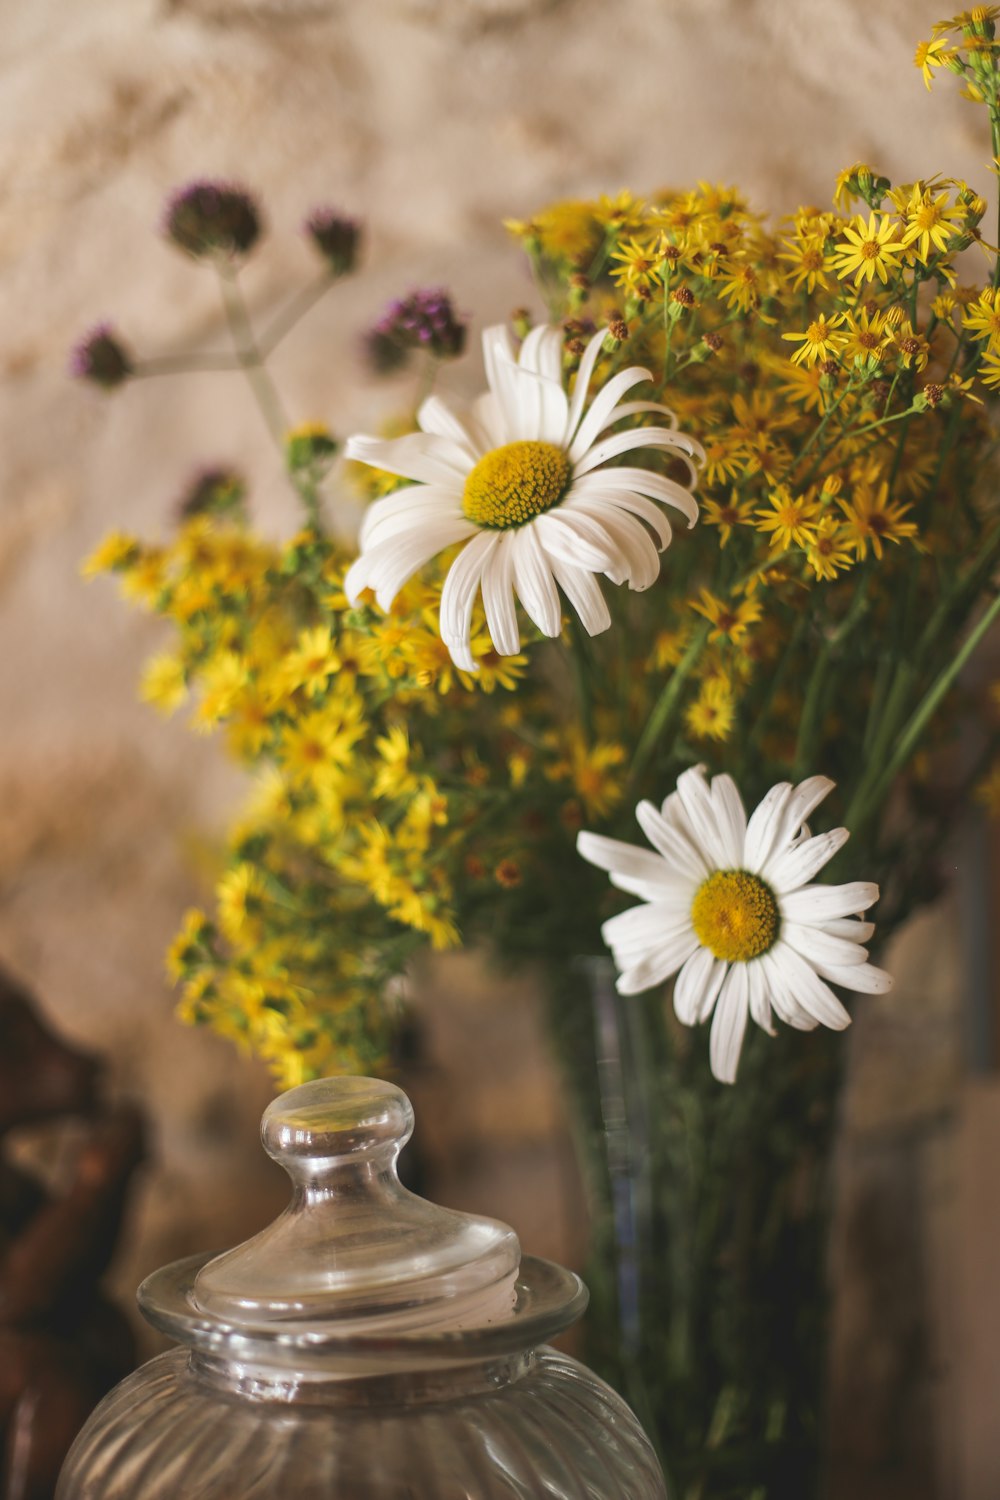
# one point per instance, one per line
(240, 897)
(116, 552)
(669, 648)
(223, 679)
(933, 54)
(728, 619)
(593, 771)
(164, 683)
(830, 551)
(871, 249)
(872, 518)
(791, 519)
(727, 514)
(866, 337)
(313, 662)
(713, 712)
(820, 340)
(982, 317)
(395, 777)
(808, 261)
(928, 222)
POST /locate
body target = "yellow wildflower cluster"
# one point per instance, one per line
(375, 784)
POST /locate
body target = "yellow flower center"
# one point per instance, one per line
(734, 915)
(871, 249)
(510, 485)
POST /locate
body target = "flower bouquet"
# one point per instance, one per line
(518, 711)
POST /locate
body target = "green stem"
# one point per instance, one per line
(666, 708)
(265, 392)
(874, 788)
(184, 364)
(818, 432)
(293, 313)
(580, 660)
(249, 356)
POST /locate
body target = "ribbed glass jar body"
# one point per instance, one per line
(535, 1426)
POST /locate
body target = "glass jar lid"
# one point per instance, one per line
(354, 1247)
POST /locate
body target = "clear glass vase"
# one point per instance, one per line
(366, 1346)
(711, 1207)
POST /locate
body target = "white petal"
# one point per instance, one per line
(459, 595)
(542, 407)
(630, 480)
(633, 543)
(794, 865)
(848, 927)
(819, 947)
(638, 929)
(729, 1024)
(696, 799)
(577, 539)
(697, 986)
(818, 903)
(542, 353)
(865, 978)
(670, 954)
(437, 416)
(807, 989)
(405, 510)
(498, 346)
(416, 455)
(629, 865)
(386, 567)
(765, 820)
(627, 500)
(518, 408)
(584, 594)
(760, 1004)
(638, 408)
(588, 360)
(681, 853)
(779, 992)
(730, 818)
(639, 437)
(533, 582)
(803, 801)
(498, 598)
(486, 412)
(602, 409)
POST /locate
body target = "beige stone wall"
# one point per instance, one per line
(432, 119)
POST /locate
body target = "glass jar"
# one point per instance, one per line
(367, 1345)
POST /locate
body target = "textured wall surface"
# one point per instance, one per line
(432, 119)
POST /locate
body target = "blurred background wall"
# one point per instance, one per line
(432, 120)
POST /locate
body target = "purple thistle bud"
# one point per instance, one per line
(213, 491)
(335, 237)
(424, 320)
(212, 218)
(101, 358)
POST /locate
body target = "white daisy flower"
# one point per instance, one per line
(727, 904)
(520, 479)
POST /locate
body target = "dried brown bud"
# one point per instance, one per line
(575, 347)
(933, 393)
(715, 341)
(684, 296)
(618, 329)
(580, 282)
(828, 367)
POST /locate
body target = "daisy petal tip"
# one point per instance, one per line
(586, 846)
